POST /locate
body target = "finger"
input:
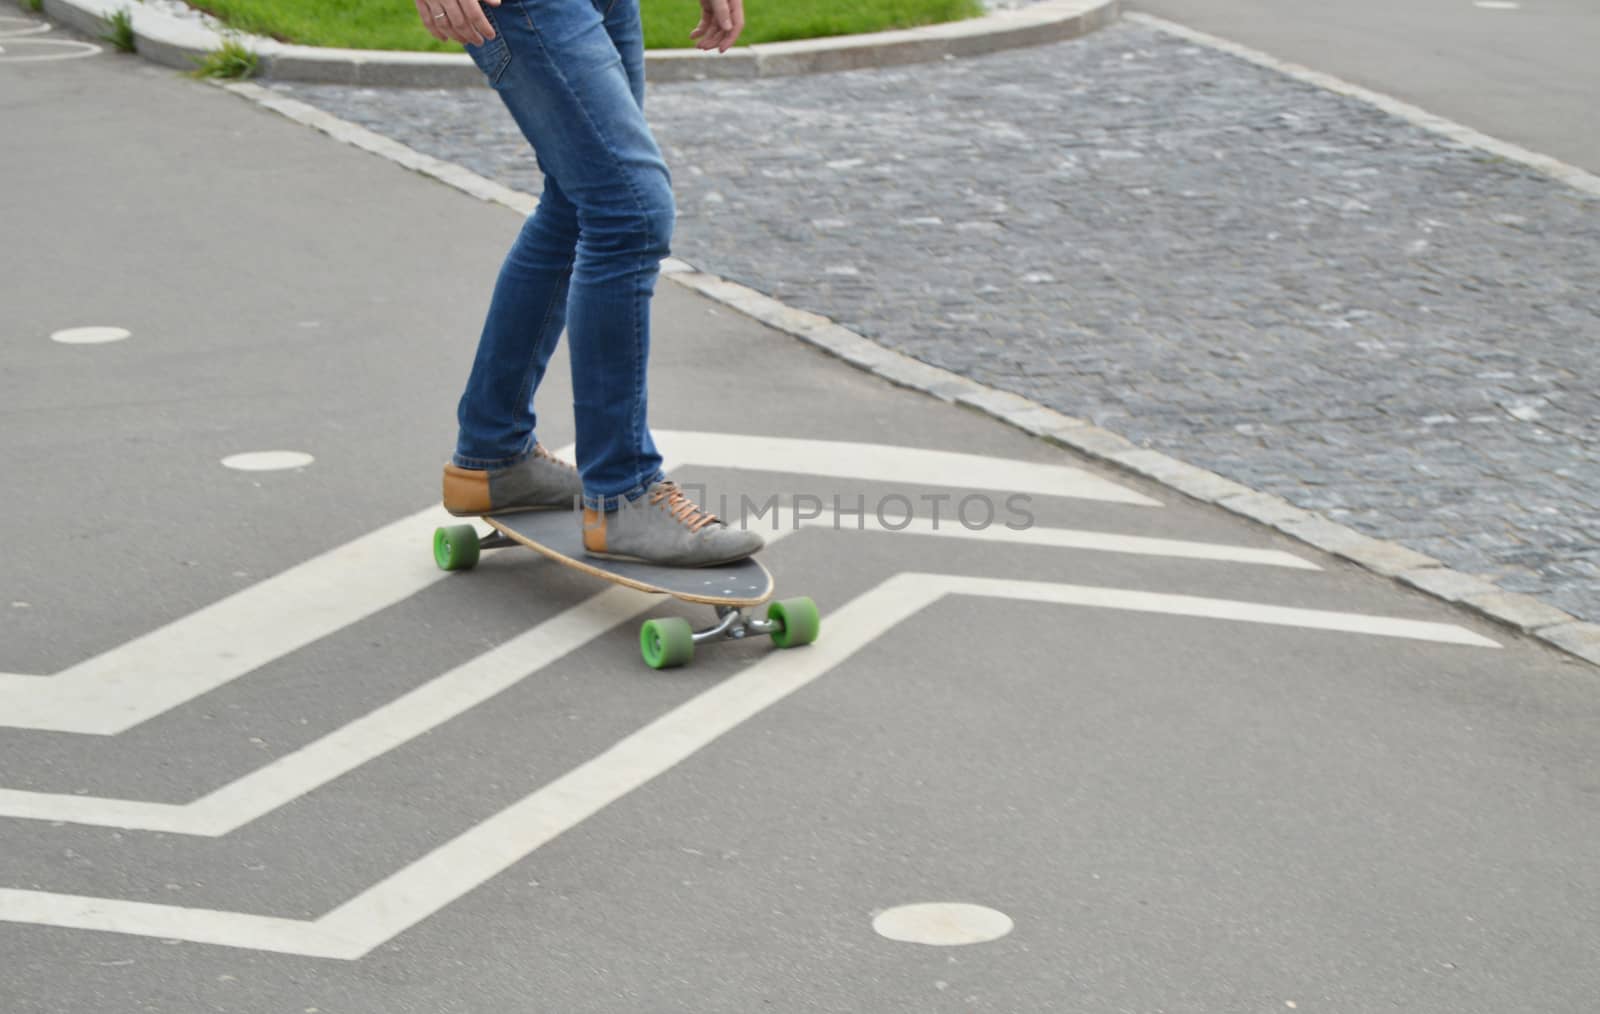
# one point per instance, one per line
(470, 12)
(439, 23)
(707, 34)
(426, 14)
(719, 14)
(480, 21)
(459, 27)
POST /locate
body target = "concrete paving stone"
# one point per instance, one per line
(1266, 508)
(1582, 639)
(1131, 222)
(1448, 584)
(1522, 611)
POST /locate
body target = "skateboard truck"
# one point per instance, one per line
(733, 624)
(669, 641)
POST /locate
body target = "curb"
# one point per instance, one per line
(1523, 613)
(177, 43)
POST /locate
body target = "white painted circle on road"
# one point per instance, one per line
(90, 335)
(39, 50)
(268, 461)
(12, 28)
(942, 924)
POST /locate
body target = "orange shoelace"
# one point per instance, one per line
(540, 452)
(684, 510)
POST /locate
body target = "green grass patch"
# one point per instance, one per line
(119, 30)
(233, 61)
(393, 24)
(31, 5)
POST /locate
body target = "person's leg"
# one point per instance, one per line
(622, 461)
(524, 323)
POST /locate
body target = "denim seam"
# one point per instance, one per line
(485, 464)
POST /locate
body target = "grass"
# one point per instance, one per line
(32, 5)
(390, 24)
(232, 61)
(119, 30)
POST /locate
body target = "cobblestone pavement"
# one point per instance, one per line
(1280, 284)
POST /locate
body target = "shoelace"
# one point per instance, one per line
(684, 510)
(540, 452)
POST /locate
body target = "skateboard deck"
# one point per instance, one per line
(558, 535)
(664, 641)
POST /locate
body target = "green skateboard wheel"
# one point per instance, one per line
(798, 619)
(455, 547)
(666, 643)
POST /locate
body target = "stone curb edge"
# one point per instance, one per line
(1449, 129)
(177, 43)
(1524, 613)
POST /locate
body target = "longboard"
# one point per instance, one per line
(664, 642)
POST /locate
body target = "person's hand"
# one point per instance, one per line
(721, 21)
(457, 20)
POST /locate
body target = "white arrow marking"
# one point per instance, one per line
(1060, 538)
(136, 681)
(117, 690)
(886, 463)
(342, 751)
(442, 876)
(443, 698)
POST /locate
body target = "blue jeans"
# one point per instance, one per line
(572, 74)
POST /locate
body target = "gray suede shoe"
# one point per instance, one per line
(540, 482)
(665, 527)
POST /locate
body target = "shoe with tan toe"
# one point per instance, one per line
(540, 482)
(665, 527)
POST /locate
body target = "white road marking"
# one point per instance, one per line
(942, 924)
(1497, 5)
(267, 461)
(28, 27)
(1067, 538)
(438, 701)
(1096, 597)
(890, 464)
(90, 335)
(149, 675)
(143, 678)
(461, 865)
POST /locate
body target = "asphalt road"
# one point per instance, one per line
(257, 755)
(1522, 71)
